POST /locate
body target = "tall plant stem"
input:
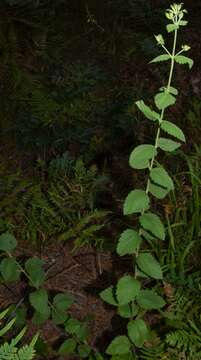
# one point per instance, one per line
(159, 128)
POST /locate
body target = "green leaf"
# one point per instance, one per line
(72, 326)
(162, 178)
(149, 265)
(83, 332)
(98, 356)
(68, 347)
(33, 266)
(149, 300)
(59, 317)
(136, 201)
(127, 289)
(168, 144)
(128, 310)
(84, 351)
(163, 100)
(138, 332)
(62, 301)
(119, 346)
(7, 242)
(75, 327)
(151, 222)
(158, 191)
(171, 27)
(141, 156)
(40, 318)
(7, 327)
(9, 269)
(172, 90)
(150, 114)
(183, 22)
(181, 59)
(128, 243)
(128, 356)
(39, 300)
(21, 315)
(163, 57)
(107, 295)
(173, 130)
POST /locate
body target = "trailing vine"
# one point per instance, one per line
(130, 296)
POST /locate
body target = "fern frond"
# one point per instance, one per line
(153, 353)
(27, 352)
(8, 352)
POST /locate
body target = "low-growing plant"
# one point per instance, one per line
(11, 350)
(136, 295)
(41, 304)
(183, 215)
(60, 206)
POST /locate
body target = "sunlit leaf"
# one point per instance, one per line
(149, 265)
(136, 201)
(141, 156)
(173, 130)
(151, 222)
(127, 289)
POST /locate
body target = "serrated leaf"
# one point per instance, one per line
(107, 295)
(75, 327)
(127, 289)
(119, 346)
(171, 27)
(7, 242)
(150, 300)
(138, 332)
(164, 100)
(173, 130)
(163, 57)
(181, 59)
(158, 191)
(33, 266)
(149, 265)
(128, 243)
(160, 176)
(128, 310)
(68, 347)
(149, 113)
(141, 156)
(168, 144)
(72, 326)
(39, 300)
(136, 201)
(9, 269)
(62, 301)
(151, 222)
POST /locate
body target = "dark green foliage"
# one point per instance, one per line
(63, 207)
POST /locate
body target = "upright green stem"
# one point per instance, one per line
(163, 110)
(172, 60)
(159, 128)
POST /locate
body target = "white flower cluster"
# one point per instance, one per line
(175, 13)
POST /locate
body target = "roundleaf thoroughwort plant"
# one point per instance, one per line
(130, 296)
